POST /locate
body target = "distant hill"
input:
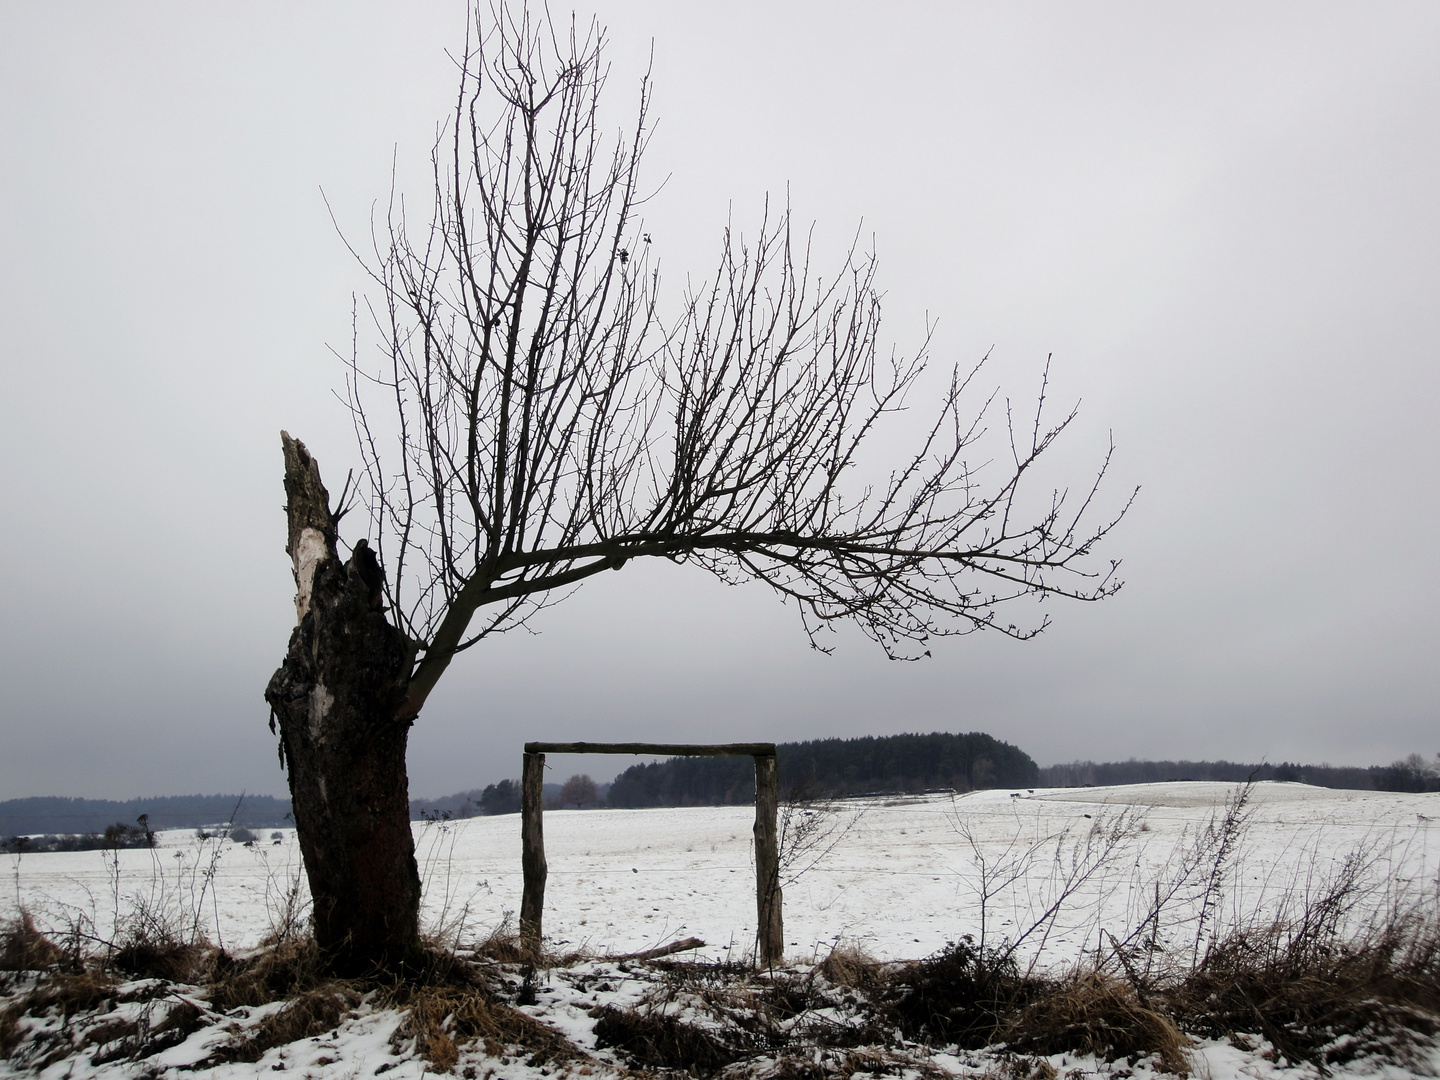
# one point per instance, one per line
(1399, 776)
(51, 814)
(873, 764)
(54, 815)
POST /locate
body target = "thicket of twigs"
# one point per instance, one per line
(1313, 997)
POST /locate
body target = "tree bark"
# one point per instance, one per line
(532, 854)
(338, 699)
(770, 927)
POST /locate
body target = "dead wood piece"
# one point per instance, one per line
(683, 945)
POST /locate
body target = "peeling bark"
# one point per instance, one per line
(337, 699)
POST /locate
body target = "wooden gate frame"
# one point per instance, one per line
(770, 929)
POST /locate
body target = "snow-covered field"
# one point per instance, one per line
(897, 878)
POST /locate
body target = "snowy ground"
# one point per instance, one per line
(896, 877)
(901, 879)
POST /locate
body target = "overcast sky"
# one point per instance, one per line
(1223, 220)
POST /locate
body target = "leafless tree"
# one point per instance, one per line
(542, 413)
(578, 791)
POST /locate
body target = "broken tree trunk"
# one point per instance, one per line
(338, 699)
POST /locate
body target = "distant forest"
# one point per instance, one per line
(1410, 774)
(833, 767)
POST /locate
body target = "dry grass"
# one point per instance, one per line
(454, 1005)
(311, 1013)
(852, 968)
(68, 995)
(1318, 997)
(286, 970)
(57, 994)
(500, 946)
(1096, 1014)
(171, 960)
(654, 1039)
(24, 948)
(449, 1004)
(9, 1030)
(962, 996)
(442, 1020)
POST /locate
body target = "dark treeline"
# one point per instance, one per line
(52, 814)
(1404, 775)
(501, 798)
(879, 765)
(462, 804)
(883, 764)
(116, 836)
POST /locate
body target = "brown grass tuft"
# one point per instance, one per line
(500, 946)
(288, 969)
(171, 960)
(1096, 1014)
(9, 1030)
(313, 1012)
(457, 1008)
(69, 995)
(24, 948)
(60, 993)
(850, 967)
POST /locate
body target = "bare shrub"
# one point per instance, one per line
(287, 904)
(1060, 866)
(153, 941)
(656, 1039)
(1318, 996)
(812, 825)
(963, 995)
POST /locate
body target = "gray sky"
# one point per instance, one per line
(1222, 220)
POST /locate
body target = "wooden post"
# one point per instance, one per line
(770, 928)
(770, 932)
(532, 853)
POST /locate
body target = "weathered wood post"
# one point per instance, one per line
(770, 929)
(770, 933)
(532, 853)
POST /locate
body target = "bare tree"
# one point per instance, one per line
(539, 416)
(579, 790)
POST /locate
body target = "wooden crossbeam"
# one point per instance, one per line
(743, 749)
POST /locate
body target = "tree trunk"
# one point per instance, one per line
(338, 698)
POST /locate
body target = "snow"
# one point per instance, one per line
(897, 878)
